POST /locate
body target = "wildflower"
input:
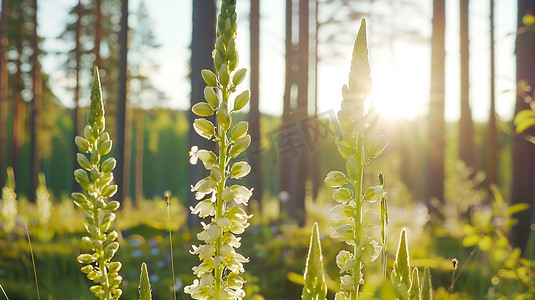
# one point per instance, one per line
(193, 153)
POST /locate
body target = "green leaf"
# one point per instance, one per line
(377, 146)
(315, 285)
(144, 284)
(335, 179)
(471, 240)
(427, 287)
(485, 243)
(524, 119)
(516, 208)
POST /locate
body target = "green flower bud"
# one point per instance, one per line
(239, 130)
(113, 205)
(377, 146)
(202, 109)
(240, 170)
(108, 165)
(223, 117)
(239, 76)
(240, 145)
(105, 148)
(211, 97)
(335, 179)
(86, 259)
(81, 176)
(83, 144)
(209, 77)
(241, 100)
(204, 128)
(224, 75)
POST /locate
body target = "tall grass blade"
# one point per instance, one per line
(2, 288)
(33, 263)
(171, 244)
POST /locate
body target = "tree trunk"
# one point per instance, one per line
(523, 187)
(139, 154)
(202, 41)
(284, 160)
(36, 109)
(4, 42)
(98, 32)
(300, 166)
(493, 130)
(466, 126)
(18, 112)
(435, 151)
(316, 161)
(254, 111)
(77, 115)
(123, 163)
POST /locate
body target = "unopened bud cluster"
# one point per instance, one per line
(218, 272)
(95, 177)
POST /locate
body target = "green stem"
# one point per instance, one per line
(357, 184)
(220, 204)
(101, 261)
(171, 246)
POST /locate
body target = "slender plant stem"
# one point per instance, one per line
(102, 261)
(170, 244)
(2, 288)
(219, 199)
(357, 184)
(33, 263)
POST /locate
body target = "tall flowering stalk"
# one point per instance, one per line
(95, 178)
(358, 148)
(221, 265)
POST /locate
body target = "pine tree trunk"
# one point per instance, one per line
(18, 112)
(254, 111)
(139, 154)
(523, 187)
(316, 161)
(435, 149)
(36, 109)
(466, 126)
(203, 39)
(77, 115)
(284, 160)
(493, 130)
(300, 165)
(123, 163)
(4, 42)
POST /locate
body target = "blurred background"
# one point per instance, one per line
(449, 78)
